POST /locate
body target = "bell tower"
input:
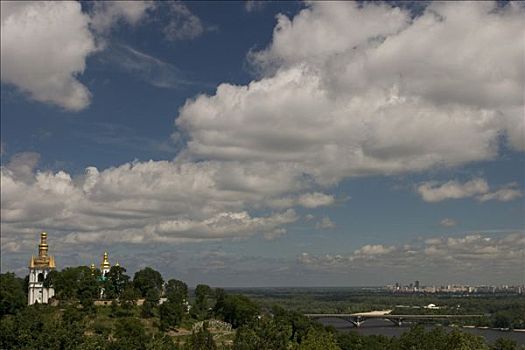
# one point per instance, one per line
(105, 265)
(39, 268)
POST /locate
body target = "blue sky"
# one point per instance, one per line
(298, 143)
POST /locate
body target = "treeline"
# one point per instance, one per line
(166, 316)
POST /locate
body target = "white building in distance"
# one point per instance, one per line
(39, 268)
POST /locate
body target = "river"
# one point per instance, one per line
(386, 328)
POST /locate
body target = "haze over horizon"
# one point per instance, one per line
(251, 144)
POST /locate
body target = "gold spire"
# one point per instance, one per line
(92, 267)
(117, 264)
(105, 262)
(42, 247)
(43, 260)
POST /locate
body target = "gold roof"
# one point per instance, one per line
(105, 262)
(43, 260)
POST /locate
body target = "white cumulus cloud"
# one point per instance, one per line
(433, 192)
(44, 45)
(353, 89)
(106, 14)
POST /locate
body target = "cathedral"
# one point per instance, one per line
(43, 264)
(39, 268)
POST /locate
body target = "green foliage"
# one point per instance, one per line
(129, 334)
(148, 309)
(201, 340)
(504, 344)
(176, 291)
(172, 311)
(147, 280)
(170, 314)
(299, 324)
(75, 283)
(237, 310)
(115, 283)
(161, 341)
(38, 327)
(316, 340)
(464, 341)
(128, 297)
(12, 294)
(265, 334)
(353, 341)
(200, 309)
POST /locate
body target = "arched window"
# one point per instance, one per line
(40, 277)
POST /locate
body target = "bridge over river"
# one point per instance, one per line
(357, 319)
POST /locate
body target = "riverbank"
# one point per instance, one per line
(386, 328)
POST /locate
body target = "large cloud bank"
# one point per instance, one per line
(346, 90)
(354, 89)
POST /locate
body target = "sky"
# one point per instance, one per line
(253, 144)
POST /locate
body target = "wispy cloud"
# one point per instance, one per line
(477, 188)
(254, 5)
(447, 222)
(147, 68)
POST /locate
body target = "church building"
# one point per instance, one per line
(39, 267)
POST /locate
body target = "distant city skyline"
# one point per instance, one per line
(252, 144)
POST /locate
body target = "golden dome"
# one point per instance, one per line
(105, 262)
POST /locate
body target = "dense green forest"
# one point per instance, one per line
(146, 312)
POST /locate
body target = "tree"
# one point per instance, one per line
(464, 341)
(115, 283)
(170, 314)
(502, 319)
(202, 291)
(88, 290)
(147, 279)
(237, 310)
(300, 325)
(265, 334)
(129, 334)
(150, 302)
(128, 297)
(12, 294)
(176, 291)
(316, 339)
(74, 283)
